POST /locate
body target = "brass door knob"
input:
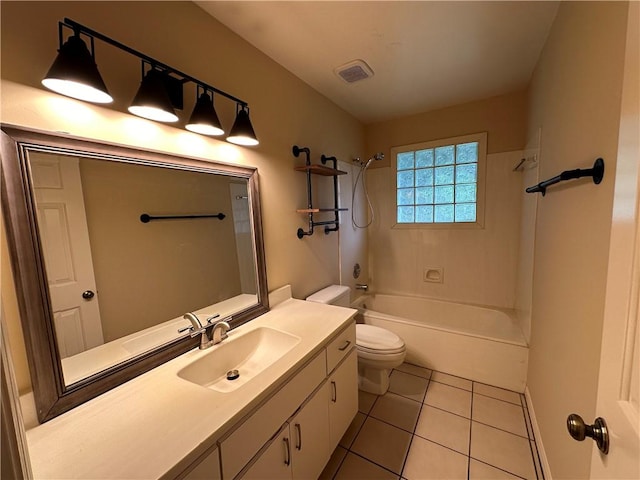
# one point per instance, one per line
(598, 431)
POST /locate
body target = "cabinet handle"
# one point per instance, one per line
(287, 451)
(334, 392)
(299, 430)
(345, 346)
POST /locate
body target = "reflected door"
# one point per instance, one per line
(67, 252)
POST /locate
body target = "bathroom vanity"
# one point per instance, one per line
(181, 420)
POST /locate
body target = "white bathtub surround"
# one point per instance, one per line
(479, 264)
(158, 424)
(482, 344)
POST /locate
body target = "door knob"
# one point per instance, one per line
(598, 431)
(88, 294)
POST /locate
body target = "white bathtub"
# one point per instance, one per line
(473, 342)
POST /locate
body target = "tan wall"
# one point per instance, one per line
(479, 263)
(502, 117)
(284, 110)
(575, 99)
(150, 273)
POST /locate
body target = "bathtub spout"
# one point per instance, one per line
(362, 286)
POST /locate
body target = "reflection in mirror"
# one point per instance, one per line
(112, 246)
(118, 286)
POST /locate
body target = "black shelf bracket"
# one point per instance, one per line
(329, 225)
(597, 173)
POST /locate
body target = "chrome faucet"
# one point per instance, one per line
(362, 286)
(207, 339)
(219, 331)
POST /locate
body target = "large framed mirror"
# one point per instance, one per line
(111, 246)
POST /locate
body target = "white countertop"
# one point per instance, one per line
(157, 424)
(97, 359)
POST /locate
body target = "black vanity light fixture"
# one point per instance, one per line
(74, 73)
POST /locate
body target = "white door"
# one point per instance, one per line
(618, 387)
(67, 253)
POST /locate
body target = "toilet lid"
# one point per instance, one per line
(371, 338)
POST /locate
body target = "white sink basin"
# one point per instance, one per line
(250, 354)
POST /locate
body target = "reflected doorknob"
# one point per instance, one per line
(598, 431)
(88, 294)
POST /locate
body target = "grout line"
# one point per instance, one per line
(371, 461)
(501, 429)
(452, 386)
(470, 430)
(448, 411)
(340, 464)
(500, 399)
(532, 438)
(498, 468)
(413, 434)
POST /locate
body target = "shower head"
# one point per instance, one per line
(376, 156)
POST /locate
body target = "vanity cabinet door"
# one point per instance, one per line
(343, 397)
(310, 436)
(274, 460)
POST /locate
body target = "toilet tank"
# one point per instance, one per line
(333, 295)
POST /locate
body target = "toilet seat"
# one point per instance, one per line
(377, 341)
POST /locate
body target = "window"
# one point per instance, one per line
(440, 182)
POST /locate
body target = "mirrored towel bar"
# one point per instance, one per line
(597, 173)
(146, 218)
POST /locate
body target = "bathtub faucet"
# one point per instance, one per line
(362, 286)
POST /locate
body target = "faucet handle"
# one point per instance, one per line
(185, 329)
(212, 318)
(223, 326)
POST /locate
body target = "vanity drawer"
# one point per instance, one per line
(341, 346)
(245, 441)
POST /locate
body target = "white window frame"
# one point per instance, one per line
(481, 138)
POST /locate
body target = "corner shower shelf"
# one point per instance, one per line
(322, 170)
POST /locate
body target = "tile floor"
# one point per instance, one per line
(431, 425)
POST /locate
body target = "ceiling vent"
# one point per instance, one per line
(354, 71)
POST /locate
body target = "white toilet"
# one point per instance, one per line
(379, 350)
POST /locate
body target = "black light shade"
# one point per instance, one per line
(242, 131)
(152, 100)
(75, 74)
(204, 119)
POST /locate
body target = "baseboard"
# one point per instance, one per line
(542, 456)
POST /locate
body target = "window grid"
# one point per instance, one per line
(438, 185)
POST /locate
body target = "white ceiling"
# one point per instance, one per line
(425, 55)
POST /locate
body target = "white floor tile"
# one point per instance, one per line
(495, 392)
(445, 428)
(415, 370)
(451, 380)
(482, 471)
(448, 398)
(333, 464)
(350, 435)
(427, 460)
(355, 467)
(502, 449)
(366, 401)
(408, 385)
(499, 414)
(397, 410)
(383, 444)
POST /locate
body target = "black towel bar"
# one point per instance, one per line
(597, 173)
(146, 218)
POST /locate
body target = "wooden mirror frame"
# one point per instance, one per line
(52, 396)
